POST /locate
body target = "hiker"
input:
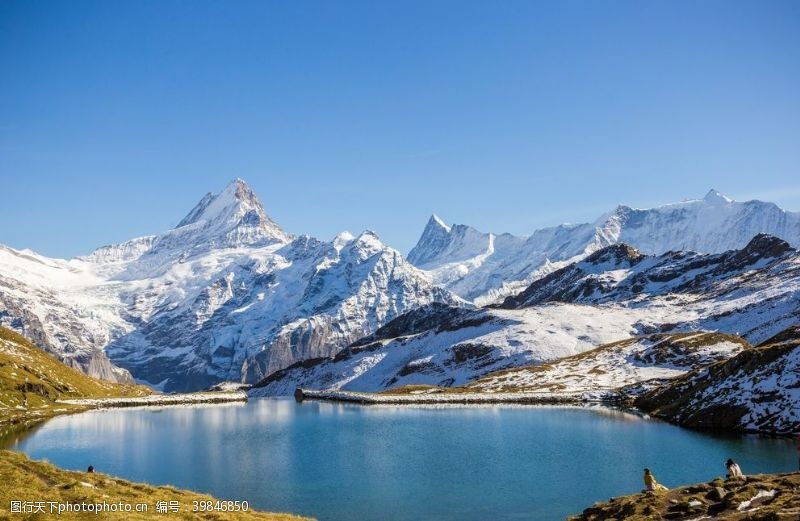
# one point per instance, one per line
(650, 482)
(734, 471)
(90, 469)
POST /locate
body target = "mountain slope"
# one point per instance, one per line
(753, 292)
(485, 267)
(460, 349)
(226, 295)
(612, 295)
(31, 380)
(757, 390)
(262, 310)
(600, 373)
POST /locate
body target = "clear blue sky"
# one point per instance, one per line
(116, 117)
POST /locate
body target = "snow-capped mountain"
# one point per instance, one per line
(612, 295)
(234, 218)
(486, 267)
(226, 295)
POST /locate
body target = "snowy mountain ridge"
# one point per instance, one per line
(612, 295)
(226, 295)
(486, 267)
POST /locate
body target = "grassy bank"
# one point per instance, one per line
(26, 480)
(764, 497)
(31, 382)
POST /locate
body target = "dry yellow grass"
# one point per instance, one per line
(26, 480)
(31, 381)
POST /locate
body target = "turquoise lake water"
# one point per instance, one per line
(341, 462)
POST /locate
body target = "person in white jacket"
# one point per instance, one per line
(733, 469)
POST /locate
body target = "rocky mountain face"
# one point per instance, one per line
(757, 390)
(226, 295)
(486, 267)
(612, 295)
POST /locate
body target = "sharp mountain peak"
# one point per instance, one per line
(236, 207)
(715, 197)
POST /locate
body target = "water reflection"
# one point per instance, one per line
(14, 435)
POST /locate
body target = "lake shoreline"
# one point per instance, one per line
(365, 398)
(520, 398)
(27, 418)
(155, 400)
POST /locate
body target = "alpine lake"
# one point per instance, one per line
(345, 462)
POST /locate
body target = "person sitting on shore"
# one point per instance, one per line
(650, 483)
(734, 471)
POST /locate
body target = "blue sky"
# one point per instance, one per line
(116, 117)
